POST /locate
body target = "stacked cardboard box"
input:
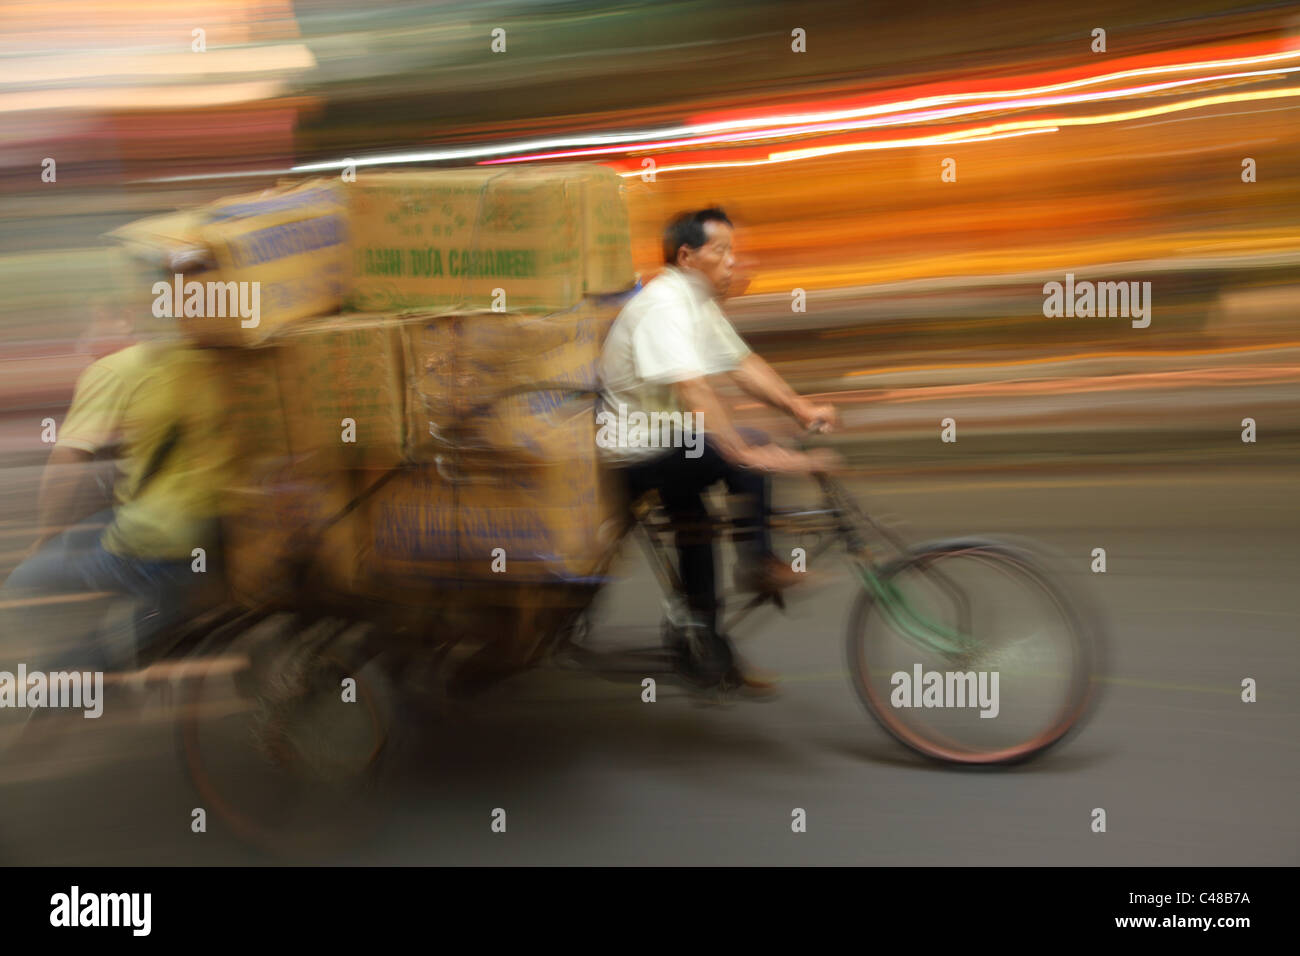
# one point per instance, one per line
(286, 517)
(343, 385)
(517, 478)
(522, 521)
(520, 475)
(327, 403)
(462, 367)
(527, 238)
(284, 251)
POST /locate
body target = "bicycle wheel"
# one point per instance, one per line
(1009, 670)
(274, 750)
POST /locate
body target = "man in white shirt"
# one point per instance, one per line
(658, 405)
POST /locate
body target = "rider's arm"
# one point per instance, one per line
(760, 380)
(93, 423)
(665, 351)
(62, 484)
(699, 396)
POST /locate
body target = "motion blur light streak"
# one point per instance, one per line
(795, 154)
(940, 99)
(143, 97)
(903, 119)
(827, 122)
(175, 66)
(1009, 99)
(1080, 356)
(964, 136)
(977, 134)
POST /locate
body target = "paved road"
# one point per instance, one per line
(1200, 591)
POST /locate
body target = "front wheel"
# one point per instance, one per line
(967, 651)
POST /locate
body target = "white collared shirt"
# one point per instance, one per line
(671, 331)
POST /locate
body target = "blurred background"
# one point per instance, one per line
(919, 171)
(1125, 165)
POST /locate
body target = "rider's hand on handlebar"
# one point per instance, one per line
(822, 417)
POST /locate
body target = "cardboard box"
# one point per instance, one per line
(252, 407)
(446, 239)
(158, 241)
(279, 521)
(553, 521)
(343, 368)
(290, 241)
(457, 367)
(293, 241)
(156, 247)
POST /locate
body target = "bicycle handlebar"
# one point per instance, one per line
(818, 427)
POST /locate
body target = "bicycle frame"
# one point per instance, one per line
(839, 520)
(929, 634)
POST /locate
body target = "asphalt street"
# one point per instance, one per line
(1199, 594)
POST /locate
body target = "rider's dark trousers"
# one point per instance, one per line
(680, 482)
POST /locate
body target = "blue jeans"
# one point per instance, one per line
(76, 562)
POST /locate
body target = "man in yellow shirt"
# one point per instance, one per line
(148, 405)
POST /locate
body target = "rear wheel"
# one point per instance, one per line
(282, 751)
(1018, 679)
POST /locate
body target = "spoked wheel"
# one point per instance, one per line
(280, 749)
(974, 655)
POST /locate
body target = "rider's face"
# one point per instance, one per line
(715, 259)
(110, 329)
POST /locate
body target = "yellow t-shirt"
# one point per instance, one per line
(157, 403)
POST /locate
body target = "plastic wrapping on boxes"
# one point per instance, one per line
(552, 519)
(457, 367)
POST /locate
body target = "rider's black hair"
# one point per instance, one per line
(687, 229)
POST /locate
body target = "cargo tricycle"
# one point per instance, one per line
(969, 651)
